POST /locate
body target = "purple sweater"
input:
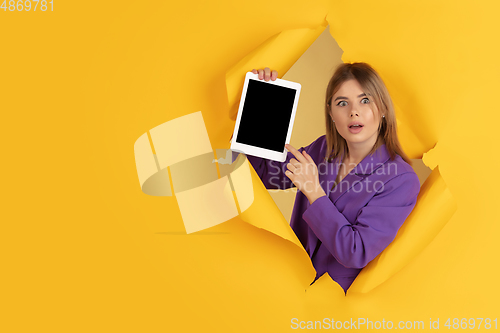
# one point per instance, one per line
(346, 229)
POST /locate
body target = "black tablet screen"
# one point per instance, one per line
(266, 115)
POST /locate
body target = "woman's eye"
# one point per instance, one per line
(365, 100)
(342, 103)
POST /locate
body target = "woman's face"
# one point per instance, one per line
(350, 105)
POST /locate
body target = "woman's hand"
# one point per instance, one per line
(303, 173)
(266, 74)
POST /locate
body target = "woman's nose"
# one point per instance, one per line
(354, 111)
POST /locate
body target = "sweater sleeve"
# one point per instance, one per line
(355, 244)
(272, 173)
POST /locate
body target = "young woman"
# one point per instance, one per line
(355, 184)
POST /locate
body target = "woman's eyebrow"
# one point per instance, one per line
(342, 97)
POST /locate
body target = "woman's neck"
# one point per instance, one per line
(358, 151)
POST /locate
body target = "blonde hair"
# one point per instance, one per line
(377, 92)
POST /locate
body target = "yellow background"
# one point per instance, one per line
(83, 249)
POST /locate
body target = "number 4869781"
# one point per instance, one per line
(25, 5)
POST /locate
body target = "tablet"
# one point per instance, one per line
(265, 117)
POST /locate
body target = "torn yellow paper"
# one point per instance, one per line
(415, 235)
(278, 52)
(435, 208)
(241, 181)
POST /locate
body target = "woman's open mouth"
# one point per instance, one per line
(356, 128)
